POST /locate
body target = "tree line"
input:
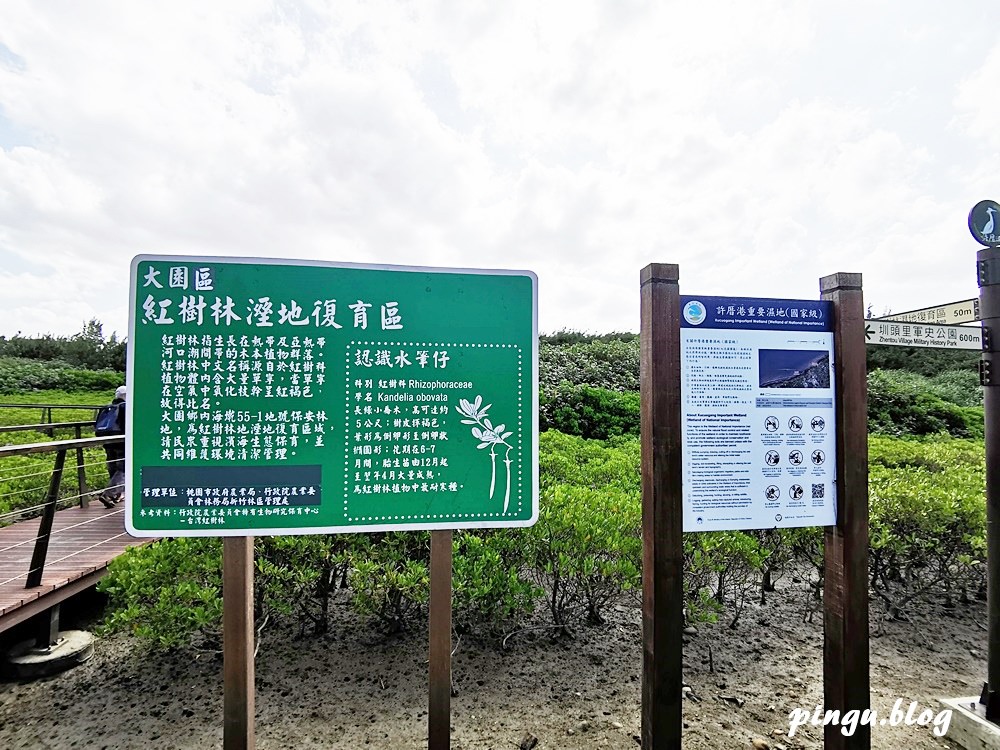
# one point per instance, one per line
(88, 349)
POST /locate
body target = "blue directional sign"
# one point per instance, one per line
(984, 223)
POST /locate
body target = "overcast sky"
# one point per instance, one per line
(760, 145)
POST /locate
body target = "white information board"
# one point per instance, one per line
(758, 413)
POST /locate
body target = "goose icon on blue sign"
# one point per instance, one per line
(984, 223)
(694, 312)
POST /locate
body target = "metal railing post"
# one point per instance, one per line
(47, 629)
(81, 472)
(45, 526)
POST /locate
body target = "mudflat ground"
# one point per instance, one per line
(356, 688)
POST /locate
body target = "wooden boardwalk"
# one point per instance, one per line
(83, 542)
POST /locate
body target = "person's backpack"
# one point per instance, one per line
(108, 420)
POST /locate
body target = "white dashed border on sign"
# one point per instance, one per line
(349, 416)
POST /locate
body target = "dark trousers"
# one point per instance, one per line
(116, 458)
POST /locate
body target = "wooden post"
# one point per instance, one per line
(45, 525)
(846, 679)
(439, 637)
(237, 643)
(662, 519)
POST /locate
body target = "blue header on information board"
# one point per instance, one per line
(751, 313)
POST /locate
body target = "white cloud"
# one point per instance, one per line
(759, 145)
(977, 106)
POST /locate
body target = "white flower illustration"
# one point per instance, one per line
(488, 435)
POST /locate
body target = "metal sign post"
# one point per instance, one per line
(988, 261)
(982, 225)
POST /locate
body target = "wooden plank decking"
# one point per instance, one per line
(83, 542)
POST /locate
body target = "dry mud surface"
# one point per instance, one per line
(354, 688)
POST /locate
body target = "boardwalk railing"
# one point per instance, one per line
(49, 428)
(48, 507)
(46, 409)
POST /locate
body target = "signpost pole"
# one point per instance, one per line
(662, 515)
(846, 678)
(439, 708)
(988, 266)
(238, 643)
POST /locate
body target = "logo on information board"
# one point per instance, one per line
(694, 312)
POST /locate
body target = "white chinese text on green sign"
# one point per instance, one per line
(272, 397)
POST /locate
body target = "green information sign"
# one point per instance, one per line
(289, 397)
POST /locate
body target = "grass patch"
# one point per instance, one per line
(24, 480)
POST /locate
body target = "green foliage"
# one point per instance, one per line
(43, 348)
(735, 560)
(589, 412)
(25, 375)
(583, 555)
(585, 550)
(491, 590)
(932, 391)
(610, 364)
(572, 460)
(726, 569)
(957, 386)
(87, 349)
(899, 404)
(935, 453)
(921, 361)
(300, 576)
(927, 521)
(60, 399)
(167, 591)
(24, 480)
(390, 576)
(565, 337)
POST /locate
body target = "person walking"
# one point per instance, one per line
(111, 421)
